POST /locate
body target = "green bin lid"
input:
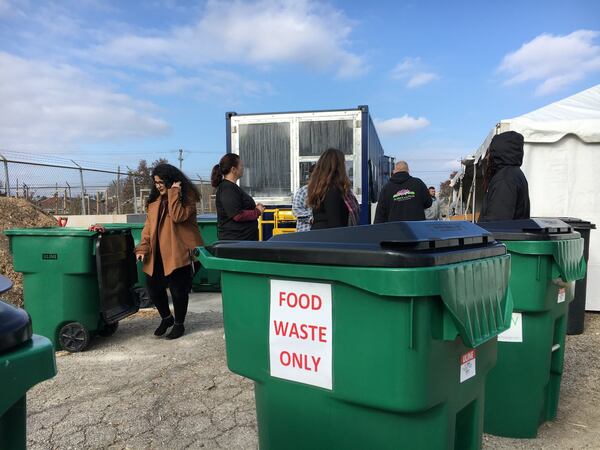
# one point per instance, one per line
(113, 226)
(395, 244)
(50, 231)
(206, 218)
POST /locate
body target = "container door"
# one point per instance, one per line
(117, 275)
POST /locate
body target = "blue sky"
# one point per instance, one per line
(116, 81)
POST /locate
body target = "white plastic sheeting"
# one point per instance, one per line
(562, 166)
(563, 182)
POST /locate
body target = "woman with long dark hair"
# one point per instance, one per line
(237, 213)
(329, 193)
(169, 236)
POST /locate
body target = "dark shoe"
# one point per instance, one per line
(176, 332)
(164, 325)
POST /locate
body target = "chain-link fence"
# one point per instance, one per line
(65, 187)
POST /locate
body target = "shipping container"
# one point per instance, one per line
(278, 149)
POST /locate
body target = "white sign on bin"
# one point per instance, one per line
(300, 332)
(515, 332)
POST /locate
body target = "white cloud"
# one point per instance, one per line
(553, 61)
(411, 70)
(223, 84)
(400, 125)
(261, 33)
(47, 107)
(8, 9)
(453, 164)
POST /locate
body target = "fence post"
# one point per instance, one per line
(83, 210)
(118, 189)
(135, 199)
(6, 182)
(201, 194)
(70, 198)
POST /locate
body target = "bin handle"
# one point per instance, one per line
(477, 297)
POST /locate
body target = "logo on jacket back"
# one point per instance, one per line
(403, 195)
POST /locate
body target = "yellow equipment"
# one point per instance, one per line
(280, 216)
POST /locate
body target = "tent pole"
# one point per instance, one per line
(474, 189)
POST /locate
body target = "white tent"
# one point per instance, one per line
(562, 166)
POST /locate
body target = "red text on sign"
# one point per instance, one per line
(300, 361)
(301, 331)
(469, 356)
(302, 301)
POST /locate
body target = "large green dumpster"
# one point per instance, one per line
(76, 283)
(523, 390)
(371, 337)
(207, 279)
(25, 360)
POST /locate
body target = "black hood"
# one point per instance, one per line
(399, 177)
(506, 149)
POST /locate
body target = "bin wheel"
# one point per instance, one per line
(73, 337)
(108, 329)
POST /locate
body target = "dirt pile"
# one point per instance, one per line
(17, 213)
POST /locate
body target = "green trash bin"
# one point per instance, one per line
(25, 360)
(370, 337)
(207, 280)
(523, 389)
(76, 283)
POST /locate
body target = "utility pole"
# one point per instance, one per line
(180, 158)
(118, 189)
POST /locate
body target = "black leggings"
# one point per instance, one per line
(179, 283)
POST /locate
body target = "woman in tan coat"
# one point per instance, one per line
(169, 236)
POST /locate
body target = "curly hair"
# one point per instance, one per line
(330, 171)
(171, 174)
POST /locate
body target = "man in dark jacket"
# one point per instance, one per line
(507, 193)
(403, 197)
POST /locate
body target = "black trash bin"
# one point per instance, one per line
(575, 322)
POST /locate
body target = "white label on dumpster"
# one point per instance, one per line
(467, 366)
(562, 295)
(515, 332)
(300, 332)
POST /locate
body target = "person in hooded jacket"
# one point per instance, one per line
(403, 197)
(506, 190)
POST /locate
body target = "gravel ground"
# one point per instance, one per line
(577, 425)
(134, 391)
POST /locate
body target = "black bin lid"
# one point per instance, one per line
(576, 222)
(15, 324)
(537, 229)
(395, 244)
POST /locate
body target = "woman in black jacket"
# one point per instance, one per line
(237, 213)
(329, 191)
